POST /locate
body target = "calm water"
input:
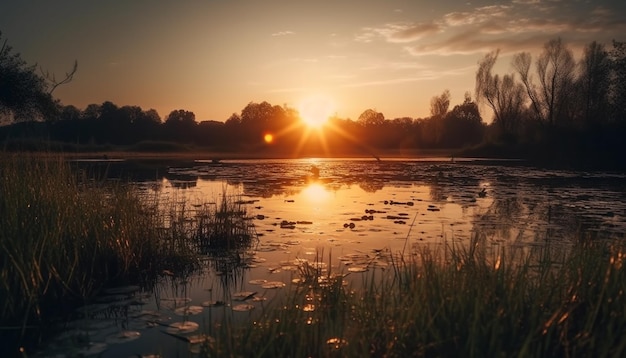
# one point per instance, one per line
(345, 216)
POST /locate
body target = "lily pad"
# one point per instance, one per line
(123, 337)
(243, 307)
(257, 282)
(199, 338)
(243, 295)
(273, 284)
(189, 310)
(183, 327)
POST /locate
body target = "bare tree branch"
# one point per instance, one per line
(69, 76)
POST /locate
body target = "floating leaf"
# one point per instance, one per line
(146, 314)
(289, 268)
(182, 327)
(188, 310)
(243, 307)
(213, 303)
(273, 284)
(199, 338)
(123, 337)
(257, 282)
(244, 295)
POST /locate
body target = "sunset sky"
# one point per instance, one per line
(213, 57)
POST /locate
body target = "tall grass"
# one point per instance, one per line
(64, 236)
(468, 304)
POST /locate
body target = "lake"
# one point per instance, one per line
(343, 216)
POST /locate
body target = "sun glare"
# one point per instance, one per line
(268, 138)
(316, 193)
(316, 110)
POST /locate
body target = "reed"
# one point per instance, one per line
(64, 236)
(223, 226)
(464, 301)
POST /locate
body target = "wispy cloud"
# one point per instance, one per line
(521, 25)
(424, 75)
(398, 33)
(283, 33)
(479, 16)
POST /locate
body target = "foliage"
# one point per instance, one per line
(23, 93)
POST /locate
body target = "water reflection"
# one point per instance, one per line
(315, 192)
(361, 215)
(510, 195)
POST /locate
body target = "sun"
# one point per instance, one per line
(316, 110)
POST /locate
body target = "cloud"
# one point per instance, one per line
(399, 32)
(523, 25)
(283, 33)
(526, 1)
(478, 16)
(423, 75)
(468, 44)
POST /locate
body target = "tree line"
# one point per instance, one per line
(552, 104)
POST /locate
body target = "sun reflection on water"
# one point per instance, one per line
(316, 193)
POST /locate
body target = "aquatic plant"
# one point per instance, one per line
(223, 226)
(64, 236)
(457, 301)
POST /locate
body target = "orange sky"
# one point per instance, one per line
(212, 57)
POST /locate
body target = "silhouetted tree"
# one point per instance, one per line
(180, 125)
(463, 125)
(52, 81)
(593, 83)
(618, 81)
(555, 71)
(70, 113)
(371, 117)
(180, 116)
(23, 94)
(438, 108)
(439, 104)
(503, 95)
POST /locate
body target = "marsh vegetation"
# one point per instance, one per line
(67, 235)
(440, 304)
